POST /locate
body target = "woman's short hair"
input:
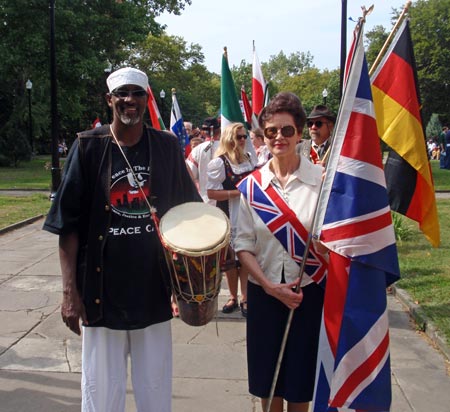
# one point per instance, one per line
(284, 102)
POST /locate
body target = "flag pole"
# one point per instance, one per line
(391, 35)
(307, 245)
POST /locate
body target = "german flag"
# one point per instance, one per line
(397, 108)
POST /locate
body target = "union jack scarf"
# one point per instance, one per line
(283, 223)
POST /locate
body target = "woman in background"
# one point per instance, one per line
(229, 166)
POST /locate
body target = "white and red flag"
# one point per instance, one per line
(258, 85)
(354, 221)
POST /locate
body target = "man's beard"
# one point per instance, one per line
(130, 121)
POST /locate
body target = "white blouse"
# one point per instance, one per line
(216, 177)
(301, 194)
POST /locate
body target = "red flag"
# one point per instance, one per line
(155, 116)
(250, 117)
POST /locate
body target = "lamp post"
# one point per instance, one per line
(162, 95)
(29, 86)
(56, 170)
(325, 95)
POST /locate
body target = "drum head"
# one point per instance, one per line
(194, 227)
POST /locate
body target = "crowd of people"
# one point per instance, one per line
(116, 288)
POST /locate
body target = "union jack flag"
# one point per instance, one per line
(354, 221)
(283, 223)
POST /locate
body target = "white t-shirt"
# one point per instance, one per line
(198, 161)
(217, 175)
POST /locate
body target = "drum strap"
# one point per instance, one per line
(281, 220)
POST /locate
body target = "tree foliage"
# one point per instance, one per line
(434, 127)
(90, 36)
(170, 64)
(430, 31)
(97, 36)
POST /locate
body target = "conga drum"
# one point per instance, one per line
(195, 237)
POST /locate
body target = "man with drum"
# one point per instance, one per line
(115, 279)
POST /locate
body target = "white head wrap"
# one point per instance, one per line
(127, 75)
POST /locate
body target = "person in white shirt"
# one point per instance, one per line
(262, 152)
(202, 154)
(294, 184)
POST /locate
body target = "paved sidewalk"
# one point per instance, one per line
(40, 358)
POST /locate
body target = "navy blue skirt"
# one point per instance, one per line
(266, 322)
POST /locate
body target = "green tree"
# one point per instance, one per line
(375, 40)
(434, 127)
(89, 37)
(430, 31)
(171, 63)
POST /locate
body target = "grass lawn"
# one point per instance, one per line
(441, 177)
(16, 209)
(425, 270)
(35, 174)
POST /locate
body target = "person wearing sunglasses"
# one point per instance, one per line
(113, 278)
(320, 123)
(229, 166)
(276, 210)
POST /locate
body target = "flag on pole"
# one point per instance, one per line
(229, 102)
(397, 107)
(354, 221)
(155, 116)
(176, 122)
(258, 85)
(250, 117)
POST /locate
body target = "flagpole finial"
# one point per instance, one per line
(366, 12)
(174, 90)
(225, 52)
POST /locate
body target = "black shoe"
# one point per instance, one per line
(243, 306)
(230, 306)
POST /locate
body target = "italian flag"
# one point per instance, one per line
(155, 116)
(230, 109)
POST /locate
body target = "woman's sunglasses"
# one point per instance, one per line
(241, 136)
(272, 132)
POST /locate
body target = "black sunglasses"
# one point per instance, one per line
(123, 94)
(272, 132)
(317, 123)
(241, 136)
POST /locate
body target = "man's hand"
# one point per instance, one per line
(72, 310)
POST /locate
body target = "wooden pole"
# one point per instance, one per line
(388, 40)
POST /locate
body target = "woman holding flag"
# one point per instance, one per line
(276, 211)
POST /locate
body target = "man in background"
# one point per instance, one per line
(320, 123)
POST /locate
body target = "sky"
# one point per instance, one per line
(275, 25)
